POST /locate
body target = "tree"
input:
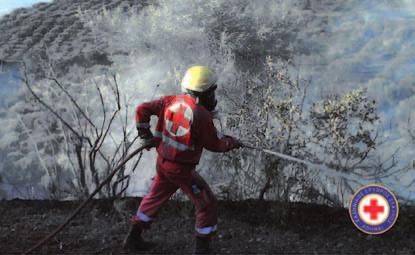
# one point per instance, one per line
(275, 121)
(345, 133)
(69, 126)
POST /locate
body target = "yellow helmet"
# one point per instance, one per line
(198, 79)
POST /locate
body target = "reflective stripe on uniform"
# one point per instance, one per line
(142, 125)
(143, 217)
(207, 230)
(173, 143)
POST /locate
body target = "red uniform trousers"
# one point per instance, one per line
(171, 176)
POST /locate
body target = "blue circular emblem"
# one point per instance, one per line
(374, 209)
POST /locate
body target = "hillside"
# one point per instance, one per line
(55, 28)
(345, 49)
(28, 30)
(245, 227)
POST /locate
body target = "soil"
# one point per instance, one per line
(245, 227)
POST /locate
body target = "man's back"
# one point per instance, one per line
(183, 129)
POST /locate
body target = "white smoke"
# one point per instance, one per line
(370, 44)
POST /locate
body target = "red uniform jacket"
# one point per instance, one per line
(183, 129)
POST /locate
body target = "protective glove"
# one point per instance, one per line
(147, 137)
(236, 142)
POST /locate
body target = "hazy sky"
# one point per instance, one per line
(8, 5)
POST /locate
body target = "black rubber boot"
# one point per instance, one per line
(134, 241)
(202, 245)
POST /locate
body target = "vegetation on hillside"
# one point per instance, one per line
(271, 59)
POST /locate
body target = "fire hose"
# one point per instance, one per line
(129, 157)
(97, 189)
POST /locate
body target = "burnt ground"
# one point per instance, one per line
(245, 227)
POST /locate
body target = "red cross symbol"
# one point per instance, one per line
(179, 115)
(373, 209)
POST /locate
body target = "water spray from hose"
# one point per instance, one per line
(327, 170)
(332, 172)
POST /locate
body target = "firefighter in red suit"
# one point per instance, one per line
(184, 128)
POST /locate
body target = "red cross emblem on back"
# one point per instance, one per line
(373, 209)
(178, 119)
